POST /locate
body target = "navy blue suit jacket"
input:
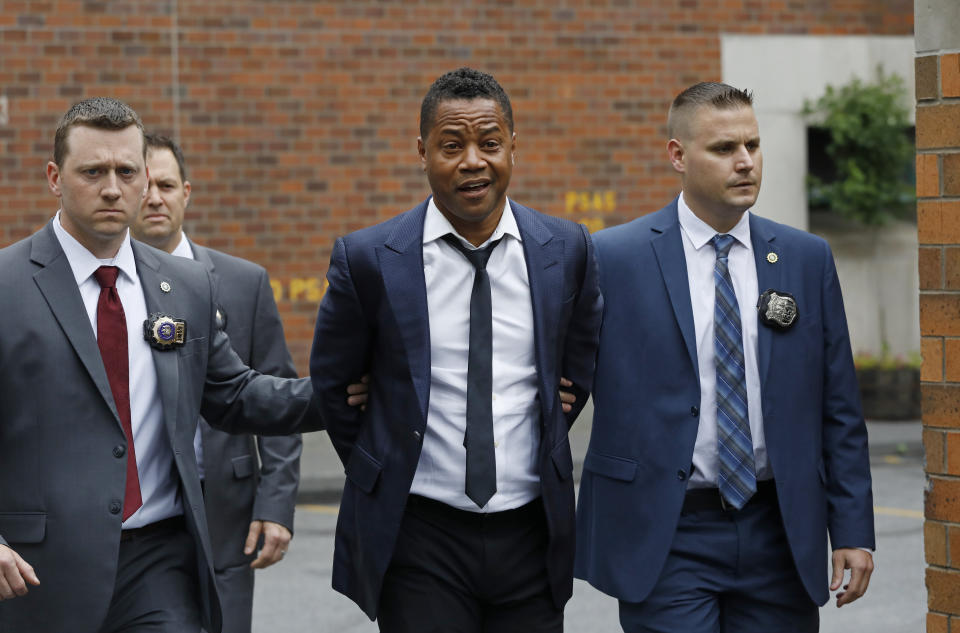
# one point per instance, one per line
(647, 398)
(373, 319)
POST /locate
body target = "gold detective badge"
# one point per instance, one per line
(164, 332)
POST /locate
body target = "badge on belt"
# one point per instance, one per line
(164, 332)
(777, 309)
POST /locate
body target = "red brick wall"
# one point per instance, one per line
(938, 212)
(299, 118)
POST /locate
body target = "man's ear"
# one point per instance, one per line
(422, 151)
(186, 192)
(677, 155)
(53, 179)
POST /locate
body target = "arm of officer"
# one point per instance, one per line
(276, 497)
(237, 399)
(846, 455)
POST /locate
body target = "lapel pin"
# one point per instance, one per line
(164, 332)
(772, 258)
(221, 317)
(165, 285)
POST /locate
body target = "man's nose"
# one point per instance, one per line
(111, 188)
(472, 158)
(153, 196)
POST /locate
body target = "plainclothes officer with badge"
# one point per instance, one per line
(249, 483)
(708, 508)
(102, 527)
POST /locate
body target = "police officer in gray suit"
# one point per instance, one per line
(246, 498)
(109, 353)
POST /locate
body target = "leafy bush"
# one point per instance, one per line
(869, 147)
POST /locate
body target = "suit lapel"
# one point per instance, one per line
(401, 265)
(762, 237)
(201, 255)
(165, 362)
(668, 248)
(59, 287)
(543, 254)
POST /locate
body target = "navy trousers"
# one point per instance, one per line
(728, 571)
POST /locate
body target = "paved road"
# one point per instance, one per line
(295, 596)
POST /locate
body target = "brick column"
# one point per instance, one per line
(937, 24)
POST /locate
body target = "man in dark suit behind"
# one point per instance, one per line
(433, 536)
(246, 498)
(109, 355)
(707, 507)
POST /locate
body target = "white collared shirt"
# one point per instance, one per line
(183, 250)
(159, 488)
(441, 471)
(701, 257)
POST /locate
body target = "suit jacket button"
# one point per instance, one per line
(119, 451)
(115, 507)
(694, 411)
(417, 435)
(681, 474)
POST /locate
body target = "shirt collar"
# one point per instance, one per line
(83, 263)
(436, 225)
(183, 248)
(700, 233)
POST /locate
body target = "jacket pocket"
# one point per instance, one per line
(610, 466)
(242, 466)
(23, 527)
(363, 470)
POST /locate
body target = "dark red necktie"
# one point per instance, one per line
(112, 341)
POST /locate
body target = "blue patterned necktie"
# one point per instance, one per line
(737, 479)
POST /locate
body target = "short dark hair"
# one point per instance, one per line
(717, 95)
(159, 141)
(103, 113)
(462, 83)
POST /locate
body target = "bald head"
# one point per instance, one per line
(708, 93)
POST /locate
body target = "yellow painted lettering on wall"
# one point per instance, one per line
(309, 289)
(590, 201)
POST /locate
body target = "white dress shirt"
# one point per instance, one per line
(441, 471)
(159, 488)
(701, 257)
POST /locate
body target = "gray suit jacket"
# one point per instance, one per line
(61, 486)
(237, 491)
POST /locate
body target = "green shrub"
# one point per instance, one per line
(871, 151)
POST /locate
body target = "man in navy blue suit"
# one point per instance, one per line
(728, 440)
(458, 508)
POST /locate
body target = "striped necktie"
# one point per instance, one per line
(737, 478)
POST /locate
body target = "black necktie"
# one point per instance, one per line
(481, 480)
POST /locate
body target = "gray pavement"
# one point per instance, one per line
(295, 596)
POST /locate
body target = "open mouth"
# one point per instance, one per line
(474, 189)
